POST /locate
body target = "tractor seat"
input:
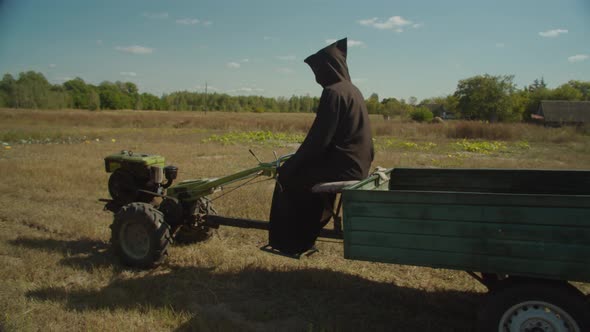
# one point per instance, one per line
(332, 187)
(329, 191)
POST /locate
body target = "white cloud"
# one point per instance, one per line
(269, 38)
(203, 88)
(128, 73)
(187, 21)
(135, 49)
(578, 58)
(99, 42)
(236, 64)
(207, 23)
(284, 70)
(353, 43)
(396, 23)
(500, 45)
(156, 16)
(287, 57)
(417, 25)
(350, 43)
(552, 33)
(52, 65)
(248, 90)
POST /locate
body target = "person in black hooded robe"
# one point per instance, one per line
(338, 147)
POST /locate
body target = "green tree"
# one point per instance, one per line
(373, 105)
(421, 114)
(583, 87)
(391, 107)
(566, 92)
(7, 90)
(294, 104)
(449, 102)
(79, 91)
(519, 101)
(93, 100)
(58, 97)
(164, 103)
(150, 102)
(486, 97)
(306, 104)
(110, 96)
(32, 90)
(537, 84)
(129, 95)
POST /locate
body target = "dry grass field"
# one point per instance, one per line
(58, 274)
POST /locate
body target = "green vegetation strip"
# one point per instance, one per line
(464, 145)
(258, 137)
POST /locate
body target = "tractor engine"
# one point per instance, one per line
(137, 177)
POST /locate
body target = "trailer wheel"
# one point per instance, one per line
(537, 306)
(139, 235)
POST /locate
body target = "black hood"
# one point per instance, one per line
(329, 64)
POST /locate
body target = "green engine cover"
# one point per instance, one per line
(131, 160)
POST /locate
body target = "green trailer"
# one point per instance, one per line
(525, 232)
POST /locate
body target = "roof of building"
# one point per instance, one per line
(565, 111)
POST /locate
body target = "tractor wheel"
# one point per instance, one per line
(535, 306)
(140, 236)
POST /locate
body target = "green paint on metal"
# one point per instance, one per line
(192, 190)
(534, 233)
(118, 160)
(505, 265)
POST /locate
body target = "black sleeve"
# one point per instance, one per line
(319, 137)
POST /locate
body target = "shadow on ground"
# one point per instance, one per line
(262, 299)
(84, 254)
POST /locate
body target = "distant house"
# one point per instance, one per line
(561, 112)
(440, 111)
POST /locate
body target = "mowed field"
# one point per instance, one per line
(58, 274)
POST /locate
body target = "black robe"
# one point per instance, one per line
(338, 147)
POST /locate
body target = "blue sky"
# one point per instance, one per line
(396, 48)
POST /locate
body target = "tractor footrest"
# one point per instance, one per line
(271, 250)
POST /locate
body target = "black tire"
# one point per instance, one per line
(139, 235)
(535, 306)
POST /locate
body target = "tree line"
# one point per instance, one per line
(481, 97)
(32, 90)
(485, 97)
